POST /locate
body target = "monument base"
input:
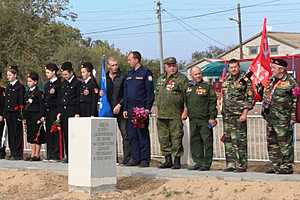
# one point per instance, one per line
(93, 190)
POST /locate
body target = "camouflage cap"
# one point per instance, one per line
(279, 62)
(170, 60)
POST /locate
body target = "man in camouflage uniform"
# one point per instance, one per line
(201, 105)
(238, 100)
(279, 109)
(170, 98)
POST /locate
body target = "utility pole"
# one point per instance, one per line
(240, 30)
(158, 13)
(239, 22)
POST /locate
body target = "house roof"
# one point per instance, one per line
(288, 38)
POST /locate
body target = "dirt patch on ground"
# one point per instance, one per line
(28, 185)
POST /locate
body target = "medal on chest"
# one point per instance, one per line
(237, 84)
(283, 85)
(86, 92)
(189, 89)
(52, 91)
(170, 85)
(200, 91)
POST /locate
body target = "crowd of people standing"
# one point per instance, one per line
(175, 97)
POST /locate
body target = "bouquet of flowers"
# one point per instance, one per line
(20, 108)
(139, 116)
(296, 91)
(56, 128)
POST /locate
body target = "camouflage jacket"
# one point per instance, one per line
(201, 101)
(279, 101)
(170, 95)
(237, 94)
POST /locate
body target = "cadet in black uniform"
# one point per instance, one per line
(69, 101)
(2, 148)
(33, 113)
(89, 92)
(51, 99)
(14, 104)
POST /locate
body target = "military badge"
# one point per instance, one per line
(250, 93)
(283, 85)
(237, 84)
(170, 85)
(52, 91)
(189, 89)
(86, 92)
(200, 91)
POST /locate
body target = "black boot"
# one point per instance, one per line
(167, 164)
(177, 164)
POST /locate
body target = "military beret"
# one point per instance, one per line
(170, 60)
(280, 62)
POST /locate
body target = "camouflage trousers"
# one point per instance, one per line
(280, 146)
(235, 141)
(201, 141)
(170, 134)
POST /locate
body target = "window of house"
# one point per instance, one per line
(253, 50)
(274, 50)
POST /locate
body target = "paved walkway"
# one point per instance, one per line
(152, 172)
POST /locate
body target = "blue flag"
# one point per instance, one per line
(104, 106)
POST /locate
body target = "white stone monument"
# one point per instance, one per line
(92, 154)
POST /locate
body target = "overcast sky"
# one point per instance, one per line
(188, 25)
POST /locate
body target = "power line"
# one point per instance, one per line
(182, 31)
(186, 24)
(190, 17)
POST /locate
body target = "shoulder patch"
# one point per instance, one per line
(150, 78)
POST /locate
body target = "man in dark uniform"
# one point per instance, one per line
(14, 104)
(138, 92)
(51, 100)
(89, 91)
(201, 103)
(115, 89)
(69, 101)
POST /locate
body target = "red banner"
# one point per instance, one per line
(260, 66)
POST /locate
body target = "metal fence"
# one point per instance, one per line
(256, 133)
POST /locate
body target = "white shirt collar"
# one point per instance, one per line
(70, 80)
(87, 80)
(14, 82)
(31, 89)
(52, 80)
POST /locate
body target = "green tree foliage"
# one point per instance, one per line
(31, 36)
(29, 33)
(210, 52)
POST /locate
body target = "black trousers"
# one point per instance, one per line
(15, 134)
(122, 124)
(2, 148)
(52, 139)
(65, 130)
(1, 131)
